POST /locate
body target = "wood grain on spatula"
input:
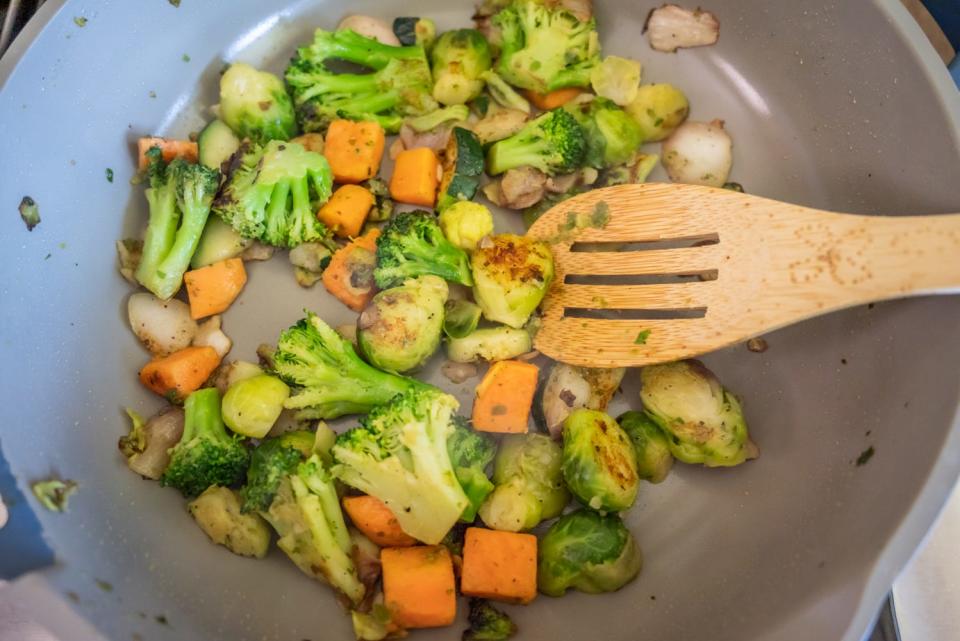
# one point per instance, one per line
(657, 272)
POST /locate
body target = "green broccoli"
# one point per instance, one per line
(272, 193)
(487, 623)
(271, 461)
(613, 137)
(553, 142)
(400, 83)
(206, 455)
(412, 244)
(545, 48)
(329, 379)
(179, 198)
(470, 454)
(305, 512)
(399, 455)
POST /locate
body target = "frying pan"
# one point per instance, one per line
(838, 105)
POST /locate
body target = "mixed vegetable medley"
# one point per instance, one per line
(420, 500)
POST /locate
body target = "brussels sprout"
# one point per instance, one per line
(489, 344)
(251, 406)
(529, 488)
(599, 462)
(511, 276)
(217, 512)
(703, 421)
(589, 552)
(613, 136)
(616, 78)
(654, 459)
(658, 109)
(464, 223)
(460, 318)
(457, 59)
(255, 104)
(400, 328)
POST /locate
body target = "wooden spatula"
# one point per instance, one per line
(657, 272)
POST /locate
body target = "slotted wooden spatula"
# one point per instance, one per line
(657, 272)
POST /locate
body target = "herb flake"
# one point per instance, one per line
(865, 456)
(185, 58)
(80, 21)
(642, 337)
(109, 174)
(29, 212)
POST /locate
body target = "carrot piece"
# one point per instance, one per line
(347, 210)
(170, 149)
(504, 397)
(418, 586)
(554, 99)
(499, 565)
(354, 150)
(414, 180)
(180, 373)
(349, 276)
(213, 288)
(374, 518)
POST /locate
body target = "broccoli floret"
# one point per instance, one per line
(272, 193)
(412, 244)
(271, 461)
(470, 454)
(399, 455)
(487, 623)
(553, 143)
(400, 83)
(612, 135)
(329, 379)
(179, 198)
(306, 514)
(206, 455)
(545, 48)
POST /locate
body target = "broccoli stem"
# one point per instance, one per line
(177, 260)
(352, 47)
(202, 416)
(161, 231)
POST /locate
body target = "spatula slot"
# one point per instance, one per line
(634, 314)
(683, 242)
(639, 279)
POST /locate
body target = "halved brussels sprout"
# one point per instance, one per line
(599, 462)
(489, 344)
(589, 552)
(654, 459)
(511, 276)
(400, 328)
(457, 59)
(255, 104)
(703, 421)
(465, 223)
(529, 485)
(217, 511)
(658, 109)
(569, 387)
(460, 318)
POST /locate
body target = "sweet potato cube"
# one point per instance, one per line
(499, 565)
(418, 586)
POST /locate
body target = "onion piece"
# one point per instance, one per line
(457, 373)
(699, 153)
(435, 139)
(522, 187)
(257, 251)
(671, 27)
(161, 432)
(163, 326)
(209, 334)
(371, 28)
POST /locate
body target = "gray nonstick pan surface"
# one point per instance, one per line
(837, 105)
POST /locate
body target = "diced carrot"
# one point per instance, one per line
(180, 373)
(418, 586)
(354, 150)
(374, 518)
(414, 180)
(504, 397)
(349, 276)
(554, 99)
(213, 288)
(499, 565)
(170, 149)
(347, 210)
